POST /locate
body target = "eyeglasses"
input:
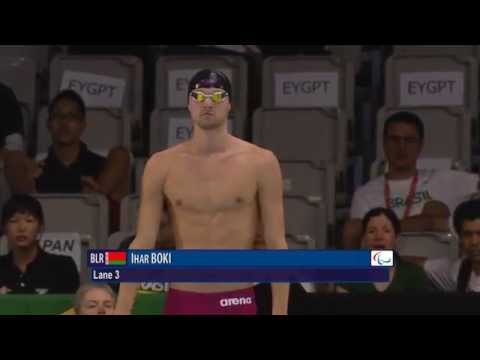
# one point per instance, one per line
(216, 97)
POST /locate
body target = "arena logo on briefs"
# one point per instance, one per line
(382, 258)
(236, 302)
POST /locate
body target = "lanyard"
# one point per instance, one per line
(410, 197)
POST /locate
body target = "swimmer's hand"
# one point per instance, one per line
(279, 312)
(4, 290)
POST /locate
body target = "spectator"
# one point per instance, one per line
(422, 199)
(27, 269)
(461, 275)
(94, 299)
(380, 229)
(70, 166)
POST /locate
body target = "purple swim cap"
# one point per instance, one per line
(210, 79)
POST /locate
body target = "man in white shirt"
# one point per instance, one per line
(462, 275)
(422, 199)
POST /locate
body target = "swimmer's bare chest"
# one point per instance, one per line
(212, 201)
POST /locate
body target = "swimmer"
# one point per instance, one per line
(217, 189)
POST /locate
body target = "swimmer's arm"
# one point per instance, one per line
(270, 193)
(149, 218)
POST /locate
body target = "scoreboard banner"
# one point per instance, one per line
(216, 266)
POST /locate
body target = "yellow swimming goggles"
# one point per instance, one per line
(217, 97)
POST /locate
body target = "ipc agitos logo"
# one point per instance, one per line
(382, 258)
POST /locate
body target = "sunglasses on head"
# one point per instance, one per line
(217, 97)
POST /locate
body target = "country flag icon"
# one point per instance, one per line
(115, 258)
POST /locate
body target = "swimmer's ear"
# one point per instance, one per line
(189, 101)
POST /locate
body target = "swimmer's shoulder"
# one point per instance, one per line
(259, 156)
(166, 157)
(159, 163)
(255, 152)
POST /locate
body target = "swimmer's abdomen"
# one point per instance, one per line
(231, 229)
(235, 228)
